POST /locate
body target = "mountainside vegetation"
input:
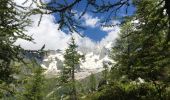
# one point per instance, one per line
(141, 53)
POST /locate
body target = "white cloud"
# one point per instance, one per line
(112, 31)
(84, 41)
(26, 4)
(30, 2)
(107, 29)
(91, 21)
(47, 33)
(112, 35)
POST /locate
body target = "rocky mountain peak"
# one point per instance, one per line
(93, 63)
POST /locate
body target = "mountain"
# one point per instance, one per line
(93, 63)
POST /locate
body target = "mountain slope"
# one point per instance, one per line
(93, 63)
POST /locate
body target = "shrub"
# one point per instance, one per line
(129, 91)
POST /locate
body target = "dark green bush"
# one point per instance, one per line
(132, 91)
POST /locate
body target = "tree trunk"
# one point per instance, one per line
(74, 95)
(167, 7)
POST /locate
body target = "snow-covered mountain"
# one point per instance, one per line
(93, 63)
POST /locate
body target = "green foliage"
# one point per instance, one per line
(142, 50)
(71, 63)
(140, 53)
(35, 85)
(12, 24)
(92, 83)
(105, 72)
(130, 91)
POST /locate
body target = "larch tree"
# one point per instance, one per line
(67, 16)
(13, 20)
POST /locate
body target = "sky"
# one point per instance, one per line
(47, 32)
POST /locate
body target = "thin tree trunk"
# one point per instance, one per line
(74, 95)
(167, 7)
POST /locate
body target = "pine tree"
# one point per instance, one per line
(71, 63)
(92, 83)
(34, 86)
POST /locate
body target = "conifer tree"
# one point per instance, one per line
(92, 83)
(12, 23)
(105, 71)
(139, 51)
(34, 85)
(123, 49)
(71, 63)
